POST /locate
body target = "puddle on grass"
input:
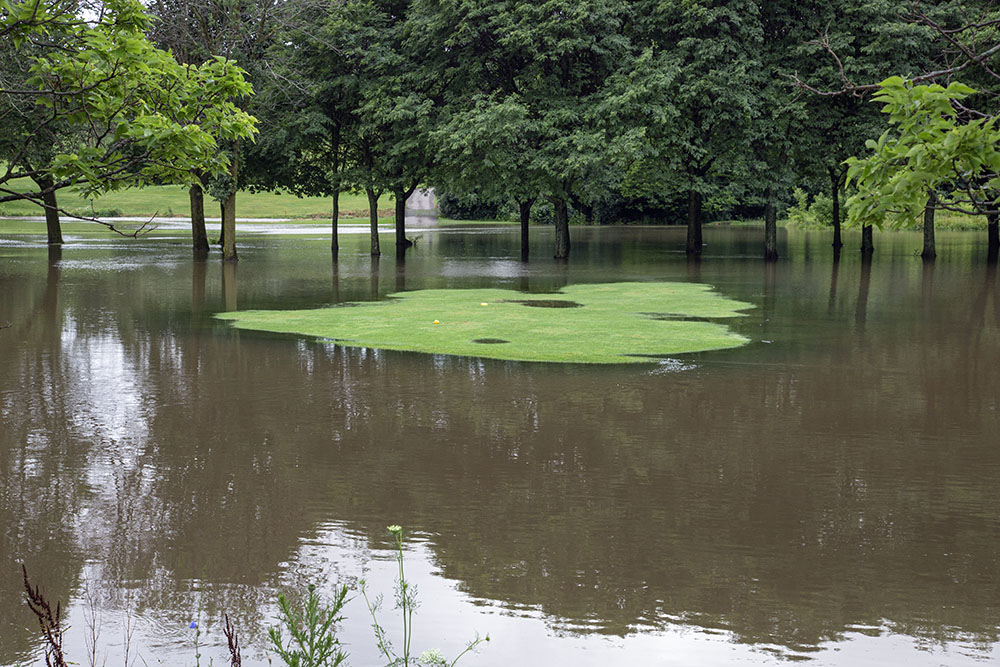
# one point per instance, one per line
(490, 341)
(674, 317)
(544, 303)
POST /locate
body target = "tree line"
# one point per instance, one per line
(607, 110)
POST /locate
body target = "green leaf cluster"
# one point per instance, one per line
(929, 147)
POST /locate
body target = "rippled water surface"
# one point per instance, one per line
(828, 492)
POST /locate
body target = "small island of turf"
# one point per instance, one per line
(609, 323)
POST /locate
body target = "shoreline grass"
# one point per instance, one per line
(172, 200)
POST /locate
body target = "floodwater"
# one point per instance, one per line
(827, 493)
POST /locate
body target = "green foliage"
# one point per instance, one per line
(312, 640)
(406, 602)
(812, 214)
(606, 324)
(466, 206)
(136, 116)
(928, 148)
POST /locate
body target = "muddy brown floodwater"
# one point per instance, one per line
(828, 492)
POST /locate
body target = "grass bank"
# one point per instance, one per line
(172, 200)
(611, 323)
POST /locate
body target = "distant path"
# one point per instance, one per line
(422, 203)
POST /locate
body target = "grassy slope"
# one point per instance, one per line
(614, 320)
(168, 200)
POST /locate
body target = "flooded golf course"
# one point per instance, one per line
(827, 492)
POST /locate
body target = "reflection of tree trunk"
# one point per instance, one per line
(867, 243)
(694, 268)
(694, 241)
(199, 236)
(770, 282)
(374, 278)
(930, 251)
(832, 297)
(770, 227)
(51, 206)
(229, 286)
(861, 311)
(373, 219)
(335, 285)
(524, 208)
(562, 227)
(926, 291)
(835, 179)
(50, 300)
(334, 219)
(400, 273)
(993, 237)
(199, 276)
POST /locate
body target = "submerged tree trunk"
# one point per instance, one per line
(222, 229)
(228, 238)
(770, 227)
(929, 251)
(694, 241)
(401, 240)
(993, 236)
(334, 219)
(53, 228)
(867, 244)
(835, 180)
(199, 236)
(373, 219)
(562, 227)
(524, 208)
(229, 229)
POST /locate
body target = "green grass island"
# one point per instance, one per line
(612, 323)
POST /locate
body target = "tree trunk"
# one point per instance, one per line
(229, 229)
(401, 241)
(929, 252)
(334, 219)
(199, 236)
(229, 210)
(694, 241)
(993, 236)
(770, 227)
(53, 228)
(373, 219)
(222, 229)
(524, 208)
(835, 191)
(867, 245)
(562, 228)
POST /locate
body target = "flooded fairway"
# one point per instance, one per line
(827, 492)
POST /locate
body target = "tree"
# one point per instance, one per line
(936, 40)
(713, 47)
(199, 31)
(308, 101)
(134, 115)
(927, 149)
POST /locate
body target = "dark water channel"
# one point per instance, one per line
(829, 492)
